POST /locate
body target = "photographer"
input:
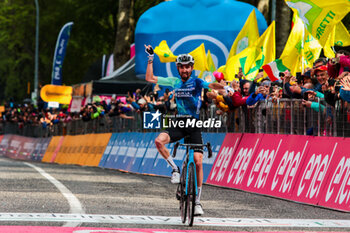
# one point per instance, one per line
(261, 93)
(339, 64)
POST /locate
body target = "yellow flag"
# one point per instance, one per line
(301, 47)
(339, 36)
(342, 36)
(254, 57)
(210, 62)
(319, 16)
(211, 65)
(247, 36)
(164, 53)
(200, 59)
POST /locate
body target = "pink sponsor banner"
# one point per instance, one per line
(15, 146)
(312, 177)
(227, 150)
(244, 155)
(235, 168)
(275, 168)
(336, 194)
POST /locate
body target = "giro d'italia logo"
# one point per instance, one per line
(152, 120)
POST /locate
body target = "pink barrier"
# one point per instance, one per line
(234, 156)
(274, 169)
(23, 148)
(313, 174)
(313, 170)
(336, 191)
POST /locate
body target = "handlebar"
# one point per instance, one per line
(210, 153)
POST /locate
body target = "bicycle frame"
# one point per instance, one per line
(185, 191)
(190, 160)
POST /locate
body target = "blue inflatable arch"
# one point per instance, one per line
(185, 24)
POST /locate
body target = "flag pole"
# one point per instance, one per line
(302, 50)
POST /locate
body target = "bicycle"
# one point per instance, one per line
(187, 188)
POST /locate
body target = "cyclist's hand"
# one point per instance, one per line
(149, 50)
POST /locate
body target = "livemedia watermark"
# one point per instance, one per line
(155, 120)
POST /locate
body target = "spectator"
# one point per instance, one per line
(260, 94)
(246, 87)
(339, 64)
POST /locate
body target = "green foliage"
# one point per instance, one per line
(92, 35)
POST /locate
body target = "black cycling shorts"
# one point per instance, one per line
(191, 135)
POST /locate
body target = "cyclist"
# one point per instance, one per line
(188, 100)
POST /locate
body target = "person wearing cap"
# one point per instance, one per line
(321, 76)
(188, 100)
(307, 77)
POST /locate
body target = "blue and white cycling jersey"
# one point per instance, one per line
(187, 94)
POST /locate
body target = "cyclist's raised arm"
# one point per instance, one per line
(149, 72)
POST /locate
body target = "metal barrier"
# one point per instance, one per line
(285, 116)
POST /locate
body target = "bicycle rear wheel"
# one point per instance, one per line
(183, 199)
(191, 194)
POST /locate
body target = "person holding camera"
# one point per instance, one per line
(339, 64)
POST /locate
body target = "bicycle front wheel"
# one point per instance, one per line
(183, 198)
(191, 194)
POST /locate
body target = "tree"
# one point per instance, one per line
(283, 25)
(92, 35)
(128, 13)
(124, 35)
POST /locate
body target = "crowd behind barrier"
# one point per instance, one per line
(312, 103)
(285, 116)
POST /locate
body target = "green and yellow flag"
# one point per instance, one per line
(301, 47)
(210, 62)
(339, 36)
(247, 36)
(319, 16)
(254, 57)
(164, 53)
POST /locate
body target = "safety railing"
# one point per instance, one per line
(284, 116)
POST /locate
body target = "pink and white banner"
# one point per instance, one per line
(313, 174)
(312, 170)
(336, 191)
(274, 169)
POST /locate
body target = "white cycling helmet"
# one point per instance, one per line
(184, 59)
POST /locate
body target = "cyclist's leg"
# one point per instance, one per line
(198, 160)
(163, 139)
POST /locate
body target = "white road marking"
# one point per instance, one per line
(74, 203)
(161, 220)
